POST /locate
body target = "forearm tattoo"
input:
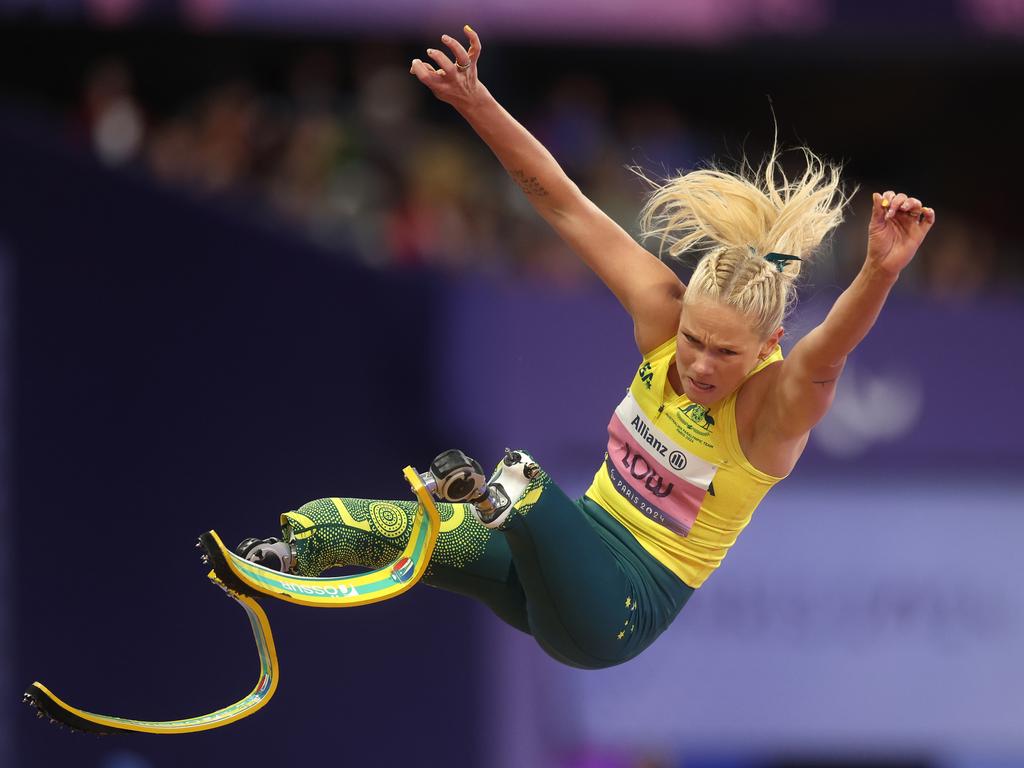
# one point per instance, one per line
(529, 184)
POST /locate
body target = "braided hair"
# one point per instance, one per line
(737, 219)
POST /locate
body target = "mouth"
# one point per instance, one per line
(699, 386)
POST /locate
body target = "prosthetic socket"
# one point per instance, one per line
(459, 479)
(453, 477)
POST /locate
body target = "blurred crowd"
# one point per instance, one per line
(374, 169)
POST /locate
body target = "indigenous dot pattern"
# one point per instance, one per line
(377, 534)
(390, 519)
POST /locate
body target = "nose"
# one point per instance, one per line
(702, 366)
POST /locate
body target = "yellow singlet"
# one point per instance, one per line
(674, 474)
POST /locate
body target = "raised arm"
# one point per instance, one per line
(647, 288)
(805, 386)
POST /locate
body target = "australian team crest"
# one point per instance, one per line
(699, 415)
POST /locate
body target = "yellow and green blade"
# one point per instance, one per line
(48, 704)
(243, 581)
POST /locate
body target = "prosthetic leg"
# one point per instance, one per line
(244, 579)
(48, 705)
(263, 570)
(264, 567)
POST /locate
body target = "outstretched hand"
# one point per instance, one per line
(454, 82)
(898, 226)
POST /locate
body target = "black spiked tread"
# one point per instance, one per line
(47, 707)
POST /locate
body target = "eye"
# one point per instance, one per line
(728, 351)
(691, 339)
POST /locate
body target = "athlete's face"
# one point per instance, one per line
(715, 348)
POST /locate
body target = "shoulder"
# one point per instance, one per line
(762, 445)
(752, 394)
(665, 348)
(755, 388)
(657, 318)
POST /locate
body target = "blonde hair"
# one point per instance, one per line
(738, 218)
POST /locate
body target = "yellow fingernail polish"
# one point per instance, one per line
(885, 203)
(468, 28)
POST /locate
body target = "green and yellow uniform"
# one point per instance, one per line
(674, 474)
(594, 580)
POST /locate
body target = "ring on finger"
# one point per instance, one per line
(463, 67)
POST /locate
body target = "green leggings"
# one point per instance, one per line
(563, 571)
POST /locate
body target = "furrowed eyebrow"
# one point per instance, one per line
(722, 347)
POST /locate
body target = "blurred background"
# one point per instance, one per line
(246, 260)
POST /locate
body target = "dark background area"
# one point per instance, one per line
(168, 385)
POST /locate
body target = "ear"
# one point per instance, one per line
(771, 342)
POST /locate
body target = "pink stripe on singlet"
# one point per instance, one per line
(665, 496)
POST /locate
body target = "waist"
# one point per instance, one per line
(630, 551)
(691, 554)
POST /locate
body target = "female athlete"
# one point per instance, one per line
(714, 415)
